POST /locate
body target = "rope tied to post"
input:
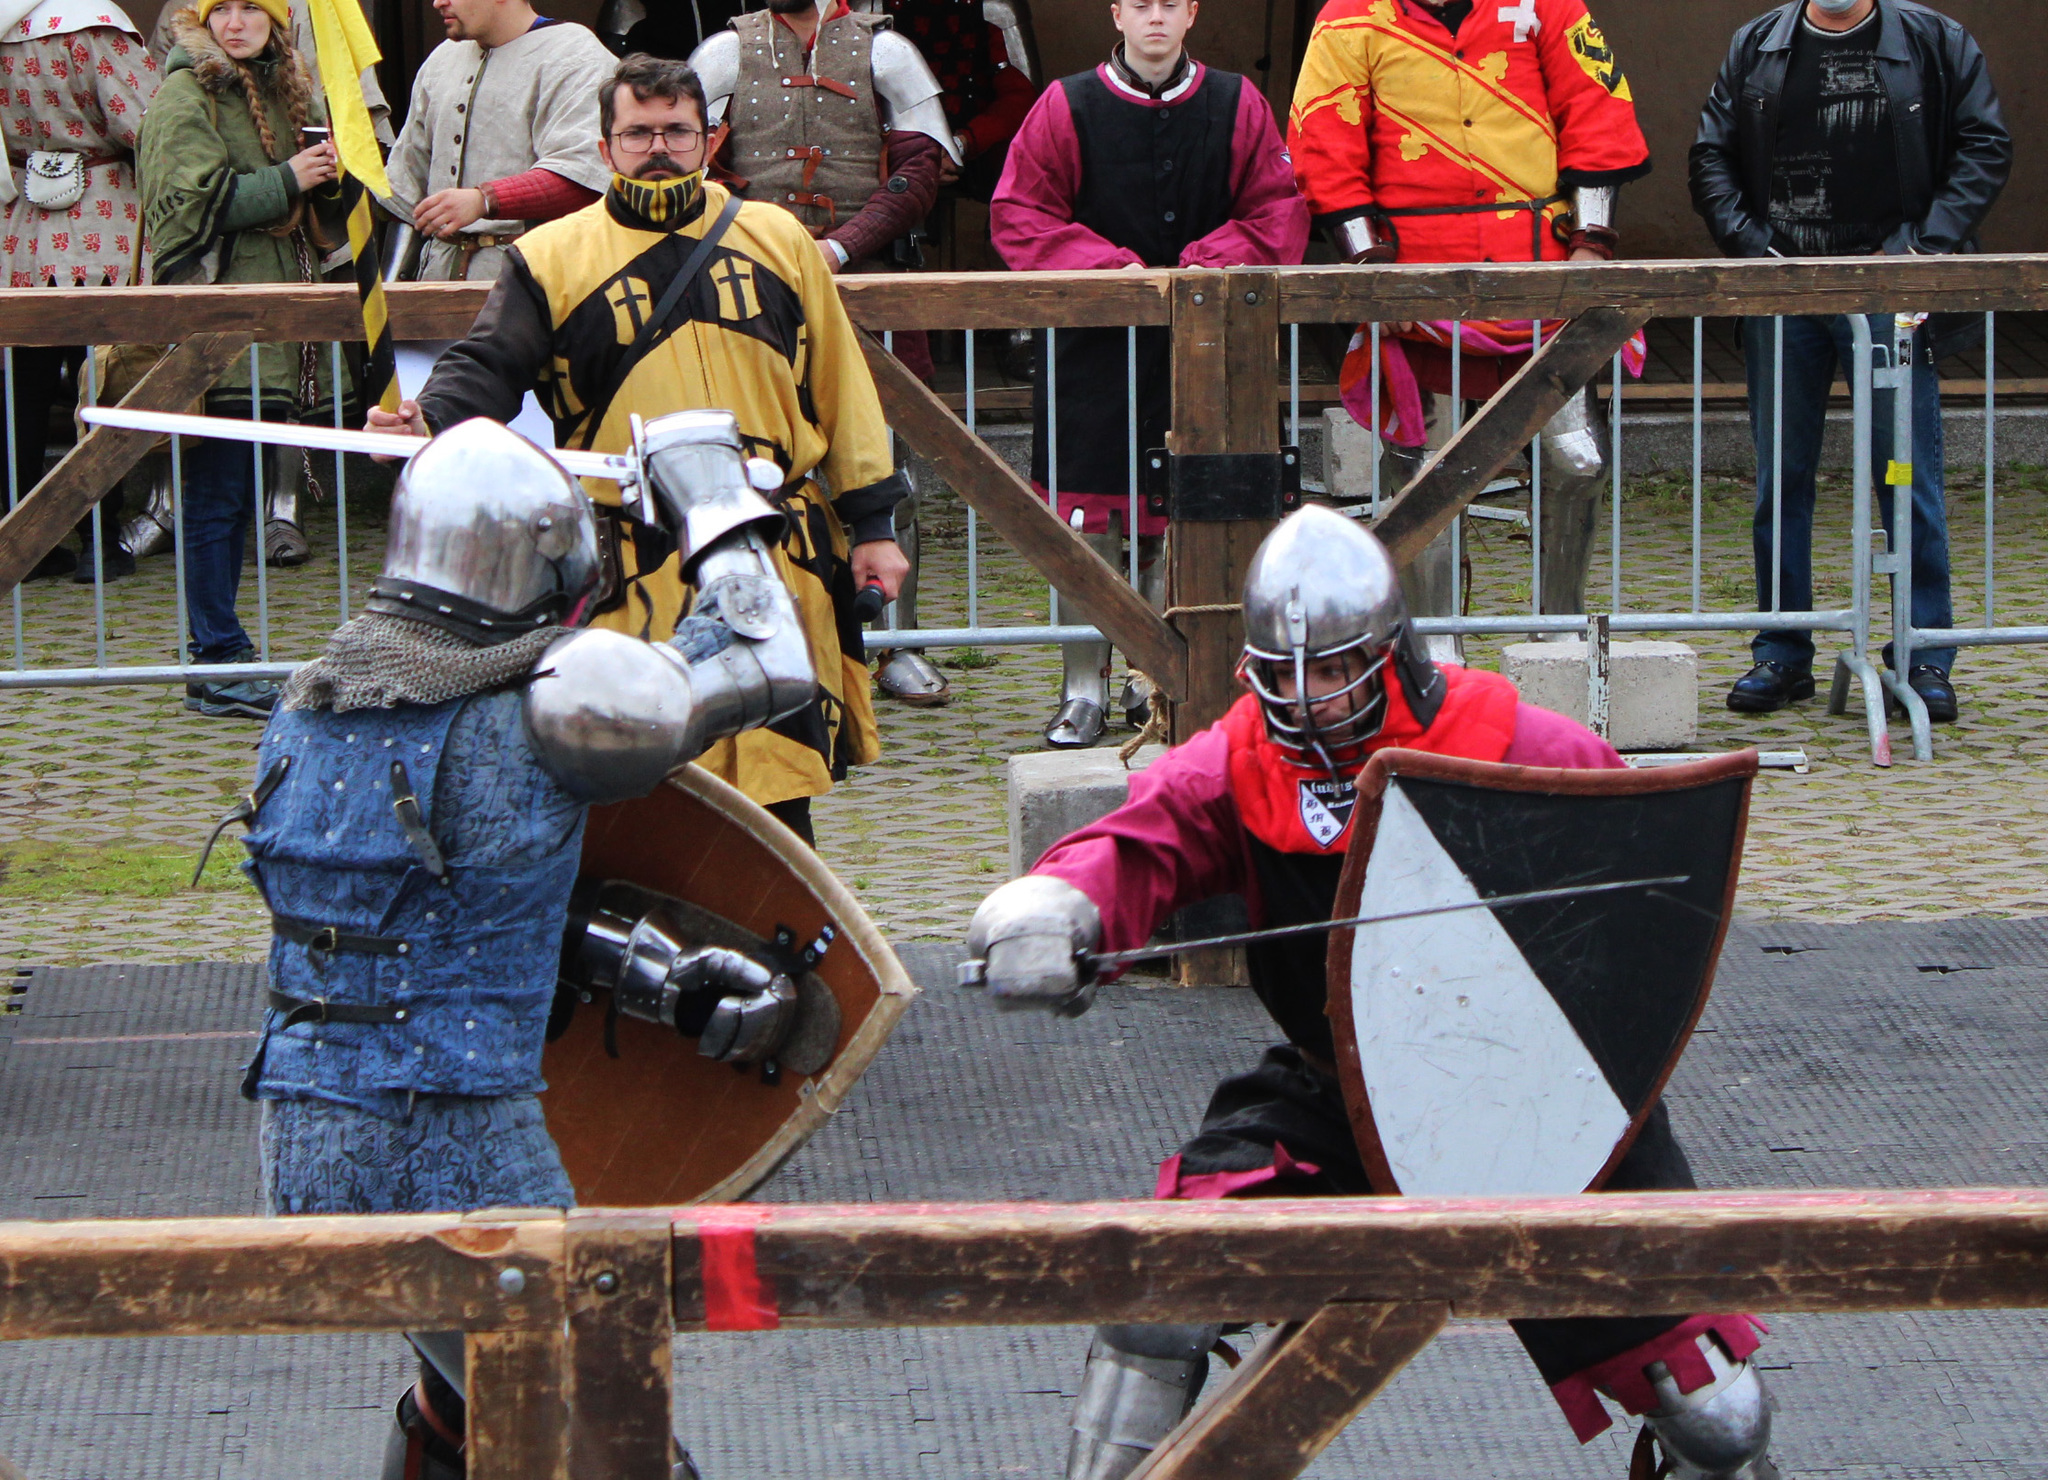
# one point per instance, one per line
(1157, 731)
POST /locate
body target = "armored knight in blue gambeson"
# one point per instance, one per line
(417, 821)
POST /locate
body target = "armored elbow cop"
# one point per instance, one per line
(639, 946)
(610, 716)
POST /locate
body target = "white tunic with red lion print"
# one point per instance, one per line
(74, 78)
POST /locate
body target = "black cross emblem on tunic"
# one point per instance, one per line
(727, 275)
(626, 301)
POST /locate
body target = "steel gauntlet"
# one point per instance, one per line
(1030, 941)
(634, 944)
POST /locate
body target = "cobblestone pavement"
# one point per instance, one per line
(106, 794)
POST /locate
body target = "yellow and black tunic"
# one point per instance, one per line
(761, 332)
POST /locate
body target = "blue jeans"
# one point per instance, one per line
(220, 505)
(1814, 346)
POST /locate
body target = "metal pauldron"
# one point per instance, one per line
(634, 945)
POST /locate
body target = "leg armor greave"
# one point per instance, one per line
(151, 532)
(1721, 1431)
(1140, 1383)
(1084, 684)
(1430, 581)
(284, 537)
(906, 673)
(1574, 468)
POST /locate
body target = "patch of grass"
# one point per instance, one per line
(54, 871)
(968, 659)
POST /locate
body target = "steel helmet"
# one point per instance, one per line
(490, 538)
(1321, 586)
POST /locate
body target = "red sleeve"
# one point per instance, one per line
(999, 121)
(1330, 124)
(1176, 841)
(1268, 222)
(1544, 737)
(1031, 217)
(538, 195)
(1599, 141)
(889, 212)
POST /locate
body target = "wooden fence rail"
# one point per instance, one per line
(1226, 337)
(569, 1318)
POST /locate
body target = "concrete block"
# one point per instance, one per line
(1349, 451)
(1652, 688)
(1052, 792)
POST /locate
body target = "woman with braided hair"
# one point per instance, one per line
(233, 192)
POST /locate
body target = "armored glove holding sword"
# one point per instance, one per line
(1509, 993)
(417, 821)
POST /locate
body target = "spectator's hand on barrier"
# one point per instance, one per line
(1587, 254)
(446, 212)
(881, 563)
(1132, 267)
(315, 166)
(406, 421)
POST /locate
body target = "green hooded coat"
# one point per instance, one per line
(209, 190)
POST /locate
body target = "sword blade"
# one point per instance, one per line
(617, 467)
(1284, 932)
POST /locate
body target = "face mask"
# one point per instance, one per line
(659, 202)
(1837, 7)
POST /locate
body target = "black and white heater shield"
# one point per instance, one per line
(1518, 1050)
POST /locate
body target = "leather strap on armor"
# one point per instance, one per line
(407, 807)
(298, 1010)
(326, 939)
(245, 810)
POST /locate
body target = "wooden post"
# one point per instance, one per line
(518, 1410)
(620, 1367)
(1226, 362)
(1295, 1393)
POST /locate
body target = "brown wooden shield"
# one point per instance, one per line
(660, 1124)
(1519, 1049)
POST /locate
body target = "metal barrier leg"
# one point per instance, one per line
(1898, 379)
(1862, 565)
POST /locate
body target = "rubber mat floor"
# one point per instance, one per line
(1871, 1055)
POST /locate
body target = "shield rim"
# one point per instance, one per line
(1380, 769)
(894, 988)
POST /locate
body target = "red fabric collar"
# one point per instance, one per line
(842, 8)
(1299, 809)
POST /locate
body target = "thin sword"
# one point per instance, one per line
(620, 467)
(1283, 932)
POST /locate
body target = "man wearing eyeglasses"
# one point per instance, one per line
(621, 309)
(499, 137)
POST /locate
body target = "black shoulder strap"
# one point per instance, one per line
(644, 340)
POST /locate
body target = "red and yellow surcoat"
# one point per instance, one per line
(1395, 114)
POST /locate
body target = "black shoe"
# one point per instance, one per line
(114, 564)
(1769, 687)
(1935, 691)
(58, 563)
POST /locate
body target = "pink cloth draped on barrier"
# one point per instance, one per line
(1401, 418)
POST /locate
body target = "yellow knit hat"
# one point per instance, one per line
(279, 11)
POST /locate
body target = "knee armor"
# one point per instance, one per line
(1721, 1431)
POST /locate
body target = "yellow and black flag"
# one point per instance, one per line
(347, 47)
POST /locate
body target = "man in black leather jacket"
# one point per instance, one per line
(1842, 128)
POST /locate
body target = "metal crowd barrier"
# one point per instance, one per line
(1853, 622)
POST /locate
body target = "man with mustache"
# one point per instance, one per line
(672, 293)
